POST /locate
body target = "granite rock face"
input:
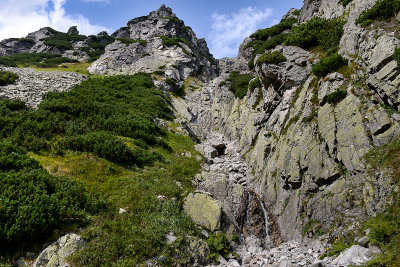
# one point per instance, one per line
(304, 156)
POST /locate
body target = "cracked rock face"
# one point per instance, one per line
(187, 57)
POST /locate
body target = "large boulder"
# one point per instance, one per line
(57, 253)
(204, 210)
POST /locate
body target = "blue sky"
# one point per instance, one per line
(223, 23)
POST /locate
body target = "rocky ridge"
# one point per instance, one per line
(160, 42)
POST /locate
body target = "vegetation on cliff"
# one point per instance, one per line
(382, 10)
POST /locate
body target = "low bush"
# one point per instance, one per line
(336, 96)
(219, 245)
(32, 201)
(382, 10)
(345, 2)
(317, 32)
(269, 38)
(7, 77)
(255, 83)
(171, 41)
(330, 64)
(90, 117)
(396, 55)
(34, 59)
(239, 83)
(97, 46)
(275, 57)
(61, 40)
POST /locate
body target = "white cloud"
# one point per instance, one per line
(228, 31)
(17, 20)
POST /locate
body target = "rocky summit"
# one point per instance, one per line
(287, 155)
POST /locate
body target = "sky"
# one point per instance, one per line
(224, 24)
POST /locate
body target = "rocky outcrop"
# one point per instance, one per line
(56, 254)
(204, 210)
(159, 42)
(32, 84)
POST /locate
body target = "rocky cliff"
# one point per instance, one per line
(285, 157)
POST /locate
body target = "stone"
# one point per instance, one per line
(162, 198)
(73, 30)
(199, 250)
(355, 255)
(363, 241)
(398, 16)
(170, 238)
(122, 211)
(204, 210)
(32, 85)
(57, 253)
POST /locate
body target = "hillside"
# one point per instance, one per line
(141, 149)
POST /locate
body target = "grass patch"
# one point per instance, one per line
(382, 10)
(44, 60)
(275, 57)
(78, 67)
(239, 83)
(7, 77)
(328, 65)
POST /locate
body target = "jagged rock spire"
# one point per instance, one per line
(163, 11)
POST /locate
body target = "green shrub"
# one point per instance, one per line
(269, 38)
(97, 46)
(239, 83)
(345, 2)
(219, 245)
(128, 41)
(255, 83)
(317, 32)
(90, 117)
(265, 34)
(7, 77)
(336, 96)
(61, 40)
(222, 83)
(32, 202)
(34, 59)
(330, 64)
(171, 41)
(275, 57)
(382, 10)
(396, 55)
